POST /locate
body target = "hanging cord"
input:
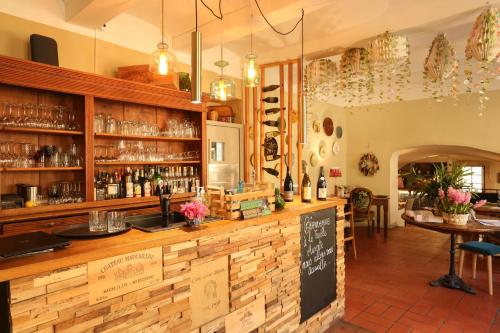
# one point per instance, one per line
(276, 30)
(220, 16)
(162, 3)
(196, 14)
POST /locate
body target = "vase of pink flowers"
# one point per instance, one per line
(456, 205)
(194, 212)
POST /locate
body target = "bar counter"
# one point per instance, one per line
(259, 260)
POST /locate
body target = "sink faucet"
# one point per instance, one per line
(165, 208)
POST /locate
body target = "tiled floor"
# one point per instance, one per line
(387, 287)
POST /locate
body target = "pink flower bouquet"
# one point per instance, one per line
(194, 210)
(456, 201)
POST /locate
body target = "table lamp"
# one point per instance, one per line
(335, 172)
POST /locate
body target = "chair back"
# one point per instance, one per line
(361, 199)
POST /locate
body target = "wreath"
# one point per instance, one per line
(368, 164)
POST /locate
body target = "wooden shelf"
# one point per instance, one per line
(149, 163)
(40, 131)
(143, 137)
(42, 169)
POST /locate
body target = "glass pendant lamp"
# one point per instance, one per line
(222, 88)
(251, 72)
(162, 60)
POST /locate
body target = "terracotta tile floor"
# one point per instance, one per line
(387, 287)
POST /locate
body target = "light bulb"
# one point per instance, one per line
(251, 69)
(222, 91)
(163, 63)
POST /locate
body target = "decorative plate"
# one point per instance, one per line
(251, 160)
(314, 159)
(322, 151)
(335, 148)
(339, 132)
(328, 126)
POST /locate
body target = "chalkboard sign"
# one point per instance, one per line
(318, 271)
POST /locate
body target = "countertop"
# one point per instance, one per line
(83, 251)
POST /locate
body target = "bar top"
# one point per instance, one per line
(83, 251)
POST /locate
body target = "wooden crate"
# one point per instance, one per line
(141, 73)
(229, 205)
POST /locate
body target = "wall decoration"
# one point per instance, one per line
(355, 78)
(339, 132)
(483, 48)
(441, 69)
(389, 56)
(316, 126)
(328, 126)
(335, 148)
(368, 164)
(319, 79)
(314, 159)
(322, 151)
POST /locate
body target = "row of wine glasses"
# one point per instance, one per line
(106, 123)
(29, 155)
(65, 192)
(137, 151)
(38, 116)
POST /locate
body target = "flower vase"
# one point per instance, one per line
(194, 223)
(457, 219)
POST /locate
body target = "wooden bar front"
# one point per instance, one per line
(260, 258)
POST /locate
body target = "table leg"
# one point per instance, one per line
(386, 220)
(378, 218)
(451, 280)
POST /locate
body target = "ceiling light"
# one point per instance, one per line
(222, 88)
(162, 60)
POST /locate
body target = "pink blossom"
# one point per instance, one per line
(479, 203)
(193, 210)
(467, 197)
(441, 193)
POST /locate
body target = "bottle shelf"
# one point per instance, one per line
(42, 169)
(39, 131)
(149, 163)
(143, 137)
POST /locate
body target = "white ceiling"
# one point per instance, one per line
(329, 25)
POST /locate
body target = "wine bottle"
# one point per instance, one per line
(272, 134)
(273, 123)
(270, 99)
(288, 186)
(273, 110)
(129, 184)
(272, 172)
(306, 187)
(321, 188)
(112, 187)
(271, 87)
(137, 185)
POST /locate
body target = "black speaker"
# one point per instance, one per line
(44, 50)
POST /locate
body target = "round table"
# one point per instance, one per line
(451, 280)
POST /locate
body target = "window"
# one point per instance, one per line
(476, 179)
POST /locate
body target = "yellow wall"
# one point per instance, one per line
(387, 128)
(77, 51)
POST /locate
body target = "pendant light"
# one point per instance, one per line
(162, 60)
(222, 88)
(196, 60)
(251, 73)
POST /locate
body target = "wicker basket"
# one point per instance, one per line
(457, 219)
(229, 206)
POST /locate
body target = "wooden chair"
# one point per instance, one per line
(489, 250)
(361, 199)
(349, 217)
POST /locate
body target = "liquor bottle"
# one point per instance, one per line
(272, 172)
(112, 187)
(288, 186)
(306, 187)
(100, 189)
(137, 185)
(273, 110)
(270, 99)
(159, 182)
(321, 188)
(129, 184)
(142, 181)
(120, 179)
(270, 87)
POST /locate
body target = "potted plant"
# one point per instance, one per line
(194, 212)
(456, 205)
